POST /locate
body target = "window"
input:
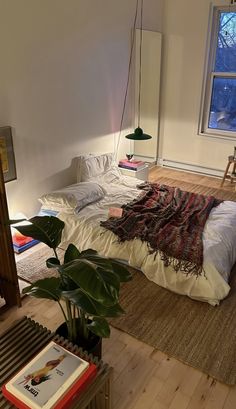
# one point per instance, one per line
(219, 105)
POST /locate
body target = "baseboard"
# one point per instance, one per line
(190, 167)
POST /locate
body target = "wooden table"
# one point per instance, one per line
(25, 338)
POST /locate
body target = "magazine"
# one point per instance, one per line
(47, 378)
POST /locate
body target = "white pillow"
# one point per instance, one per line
(92, 166)
(73, 198)
(113, 175)
(80, 160)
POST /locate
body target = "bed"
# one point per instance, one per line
(103, 186)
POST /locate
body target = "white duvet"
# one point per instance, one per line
(219, 242)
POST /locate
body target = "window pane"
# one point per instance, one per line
(223, 104)
(226, 43)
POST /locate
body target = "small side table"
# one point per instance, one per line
(227, 174)
(25, 339)
(141, 174)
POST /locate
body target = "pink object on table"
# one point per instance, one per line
(132, 163)
(115, 212)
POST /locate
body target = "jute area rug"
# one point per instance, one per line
(194, 332)
(33, 267)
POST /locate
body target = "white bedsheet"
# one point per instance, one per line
(219, 241)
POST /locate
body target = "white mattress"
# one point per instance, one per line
(219, 240)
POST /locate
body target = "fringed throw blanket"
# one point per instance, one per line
(170, 220)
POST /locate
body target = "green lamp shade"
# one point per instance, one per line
(138, 135)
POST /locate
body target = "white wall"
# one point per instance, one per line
(185, 26)
(62, 77)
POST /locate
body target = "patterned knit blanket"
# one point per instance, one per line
(170, 220)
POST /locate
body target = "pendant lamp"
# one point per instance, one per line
(138, 134)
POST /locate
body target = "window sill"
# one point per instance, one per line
(218, 136)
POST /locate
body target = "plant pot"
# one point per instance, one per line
(93, 345)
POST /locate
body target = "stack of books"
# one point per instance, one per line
(132, 164)
(52, 379)
(22, 243)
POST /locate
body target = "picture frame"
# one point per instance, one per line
(7, 154)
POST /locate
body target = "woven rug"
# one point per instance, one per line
(194, 332)
(33, 267)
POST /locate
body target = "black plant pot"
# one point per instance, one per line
(93, 345)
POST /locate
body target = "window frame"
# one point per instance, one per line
(209, 76)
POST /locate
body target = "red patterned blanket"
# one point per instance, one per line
(170, 220)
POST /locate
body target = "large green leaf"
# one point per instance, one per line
(88, 252)
(100, 284)
(121, 270)
(90, 306)
(94, 257)
(109, 264)
(99, 326)
(46, 288)
(113, 265)
(72, 253)
(47, 229)
(67, 284)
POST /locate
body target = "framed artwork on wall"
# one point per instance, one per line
(7, 154)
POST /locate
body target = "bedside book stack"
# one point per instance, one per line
(132, 165)
(21, 242)
(19, 248)
(51, 380)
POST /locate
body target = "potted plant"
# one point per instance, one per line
(87, 286)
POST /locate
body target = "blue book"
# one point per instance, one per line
(47, 212)
(19, 249)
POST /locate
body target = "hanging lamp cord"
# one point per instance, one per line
(128, 77)
(140, 61)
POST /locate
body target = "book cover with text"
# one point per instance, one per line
(45, 380)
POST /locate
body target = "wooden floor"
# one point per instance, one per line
(144, 378)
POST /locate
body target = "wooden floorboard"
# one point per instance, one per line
(144, 378)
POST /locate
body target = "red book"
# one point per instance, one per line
(52, 379)
(19, 240)
(20, 249)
